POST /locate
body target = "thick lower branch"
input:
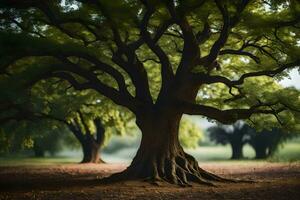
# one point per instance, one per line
(228, 116)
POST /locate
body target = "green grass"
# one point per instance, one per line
(23, 161)
(290, 152)
(218, 153)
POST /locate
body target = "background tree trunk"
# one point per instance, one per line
(91, 152)
(260, 146)
(90, 143)
(237, 150)
(38, 150)
(261, 152)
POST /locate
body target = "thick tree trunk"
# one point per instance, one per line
(260, 147)
(261, 152)
(91, 151)
(160, 156)
(38, 150)
(91, 154)
(90, 143)
(237, 151)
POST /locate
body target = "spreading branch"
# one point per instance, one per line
(230, 116)
(202, 78)
(166, 68)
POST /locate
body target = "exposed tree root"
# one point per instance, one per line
(181, 170)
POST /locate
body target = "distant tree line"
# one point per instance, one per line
(264, 142)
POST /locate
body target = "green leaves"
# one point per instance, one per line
(190, 134)
(123, 48)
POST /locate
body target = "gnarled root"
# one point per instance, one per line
(181, 170)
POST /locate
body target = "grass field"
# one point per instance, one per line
(290, 152)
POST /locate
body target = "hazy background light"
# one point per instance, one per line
(294, 80)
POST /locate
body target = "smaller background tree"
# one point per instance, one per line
(236, 135)
(264, 142)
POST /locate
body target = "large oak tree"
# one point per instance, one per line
(163, 59)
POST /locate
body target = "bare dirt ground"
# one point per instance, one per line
(80, 181)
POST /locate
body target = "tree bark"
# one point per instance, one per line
(90, 143)
(91, 152)
(38, 150)
(160, 156)
(261, 152)
(260, 147)
(237, 150)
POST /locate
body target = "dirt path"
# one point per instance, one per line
(78, 181)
